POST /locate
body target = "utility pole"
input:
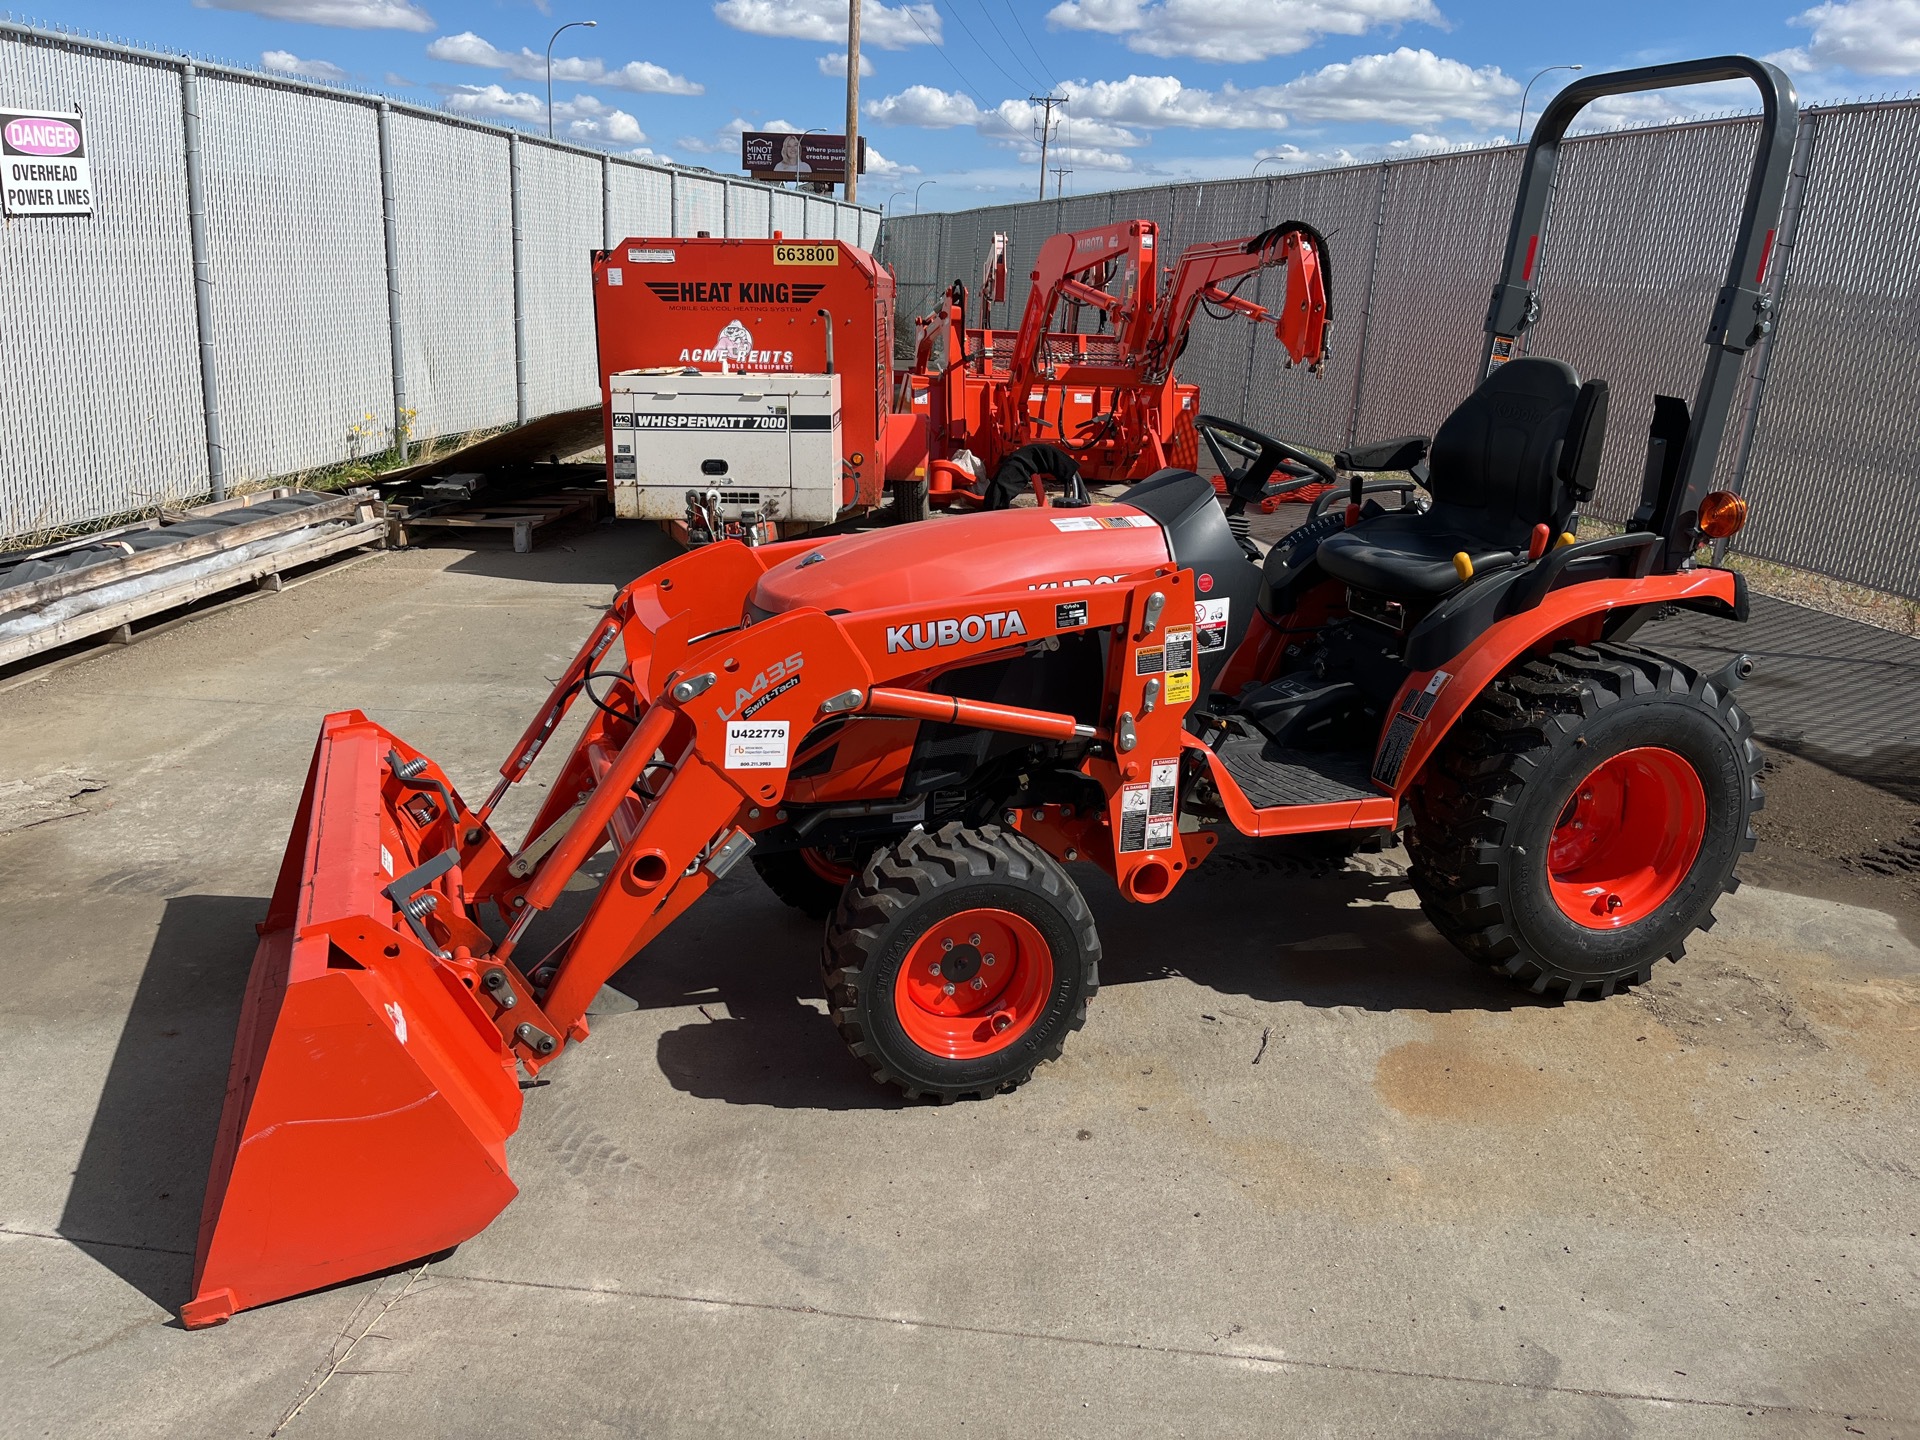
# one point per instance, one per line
(853, 98)
(1046, 130)
(1060, 173)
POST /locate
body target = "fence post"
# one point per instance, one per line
(202, 279)
(606, 202)
(673, 202)
(519, 283)
(1253, 332)
(402, 421)
(1790, 210)
(1366, 309)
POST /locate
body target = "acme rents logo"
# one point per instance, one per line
(995, 624)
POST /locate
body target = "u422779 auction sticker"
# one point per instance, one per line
(757, 744)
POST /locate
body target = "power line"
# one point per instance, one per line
(977, 45)
(913, 16)
(1033, 78)
(1014, 15)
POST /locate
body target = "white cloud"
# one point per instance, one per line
(288, 63)
(926, 106)
(1407, 87)
(1235, 30)
(343, 14)
(1660, 107)
(584, 117)
(639, 76)
(881, 168)
(1868, 37)
(833, 65)
(886, 27)
(1162, 100)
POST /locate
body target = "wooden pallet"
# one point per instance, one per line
(525, 518)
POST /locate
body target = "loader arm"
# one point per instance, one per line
(389, 1016)
(1300, 319)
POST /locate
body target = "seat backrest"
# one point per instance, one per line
(1496, 464)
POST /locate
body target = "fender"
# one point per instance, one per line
(1430, 701)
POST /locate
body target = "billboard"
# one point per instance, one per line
(783, 155)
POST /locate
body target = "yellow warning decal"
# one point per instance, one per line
(806, 254)
(1179, 687)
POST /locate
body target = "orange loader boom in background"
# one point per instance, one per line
(1107, 398)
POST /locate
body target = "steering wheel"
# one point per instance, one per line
(1255, 458)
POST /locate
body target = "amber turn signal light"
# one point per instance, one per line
(1722, 513)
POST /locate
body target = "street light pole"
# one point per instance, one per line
(1519, 128)
(887, 209)
(1268, 160)
(916, 193)
(585, 24)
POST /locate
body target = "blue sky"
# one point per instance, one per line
(1157, 90)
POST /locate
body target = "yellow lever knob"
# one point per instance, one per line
(1463, 565)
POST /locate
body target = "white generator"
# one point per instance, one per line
(727, 454)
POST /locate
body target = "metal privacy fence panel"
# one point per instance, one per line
(1641, 228)
(1443, 223)
(297, 254)
(700, 204)
(1832, 475)
(100, 407)
(456, 275)
(820, 221)
(749, 215)
(642, 202)
(560, 228)
(1298, 406)
(107, 402)
(789, 212)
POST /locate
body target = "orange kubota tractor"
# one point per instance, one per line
(911, 732)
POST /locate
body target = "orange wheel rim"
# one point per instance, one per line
(974, 984)
(1626, 838)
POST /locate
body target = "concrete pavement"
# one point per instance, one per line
(1304, 1172)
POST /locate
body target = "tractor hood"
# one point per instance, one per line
(944, 559)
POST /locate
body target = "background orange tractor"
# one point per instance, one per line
(915, 732)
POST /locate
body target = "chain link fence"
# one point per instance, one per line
(1825, 442)
(366, 270)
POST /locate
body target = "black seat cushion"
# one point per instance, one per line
(1404, 556)
(1495, 474)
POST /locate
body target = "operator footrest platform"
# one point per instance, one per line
(1271, 775)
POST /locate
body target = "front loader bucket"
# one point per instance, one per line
(370, 1097)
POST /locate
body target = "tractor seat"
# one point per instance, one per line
(1523, 449)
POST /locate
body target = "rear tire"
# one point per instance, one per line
(958, 961)
(909, 501)
(1533, 853)
(809, 880)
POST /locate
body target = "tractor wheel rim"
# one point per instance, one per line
(1626, 838)
(974, 984)
(826, 867)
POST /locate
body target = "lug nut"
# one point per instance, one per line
(933, 969)
(946, 944)
(973, 940)
(947, 989)
(978, 983)
(987, 959)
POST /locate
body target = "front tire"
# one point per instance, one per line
(958, 961)
(1583, 817)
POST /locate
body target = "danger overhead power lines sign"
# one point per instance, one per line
(44, 168)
